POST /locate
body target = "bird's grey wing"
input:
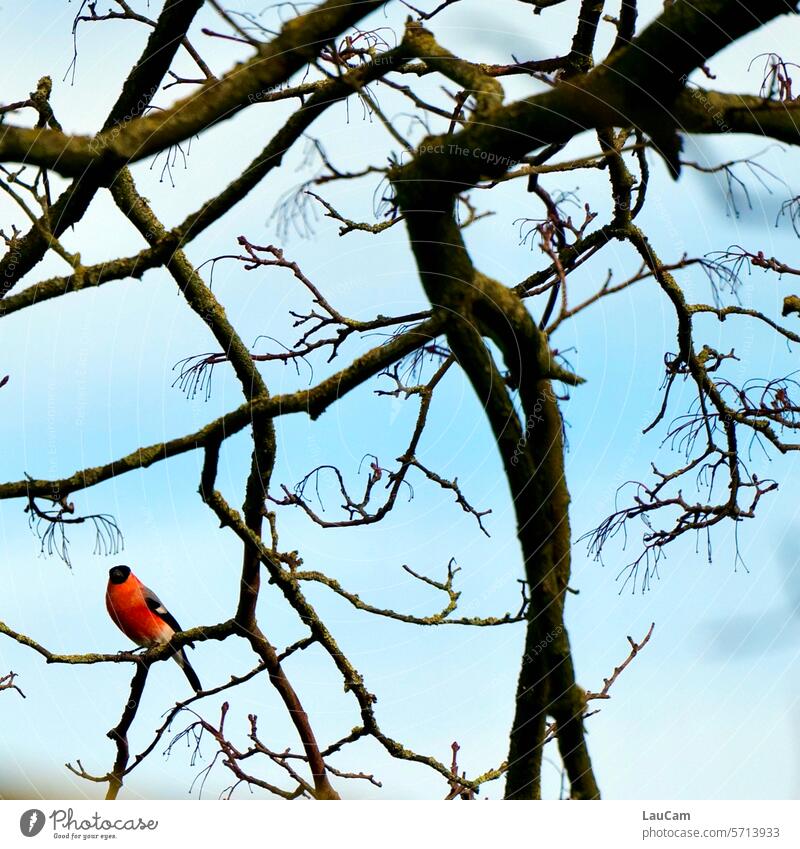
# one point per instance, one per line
(156, 605)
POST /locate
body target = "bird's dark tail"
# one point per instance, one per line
(183, 662)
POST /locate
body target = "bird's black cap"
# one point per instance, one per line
(119, 574)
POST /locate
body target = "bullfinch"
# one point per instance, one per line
(139, 613)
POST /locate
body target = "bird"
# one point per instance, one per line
(140, 614)
(541, 4)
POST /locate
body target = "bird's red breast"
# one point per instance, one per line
(128, 608)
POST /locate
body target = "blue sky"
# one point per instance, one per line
(709, 710)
